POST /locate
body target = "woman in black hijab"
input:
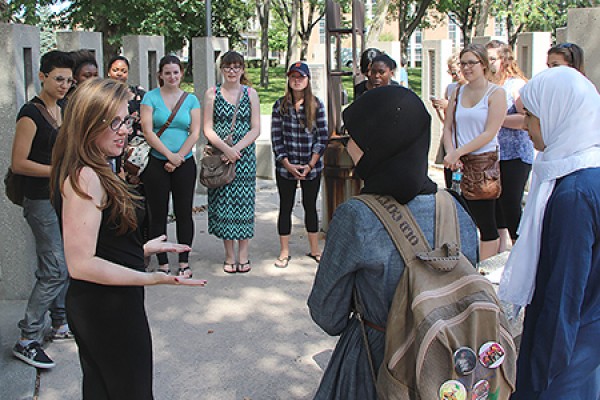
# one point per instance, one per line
(390, 132)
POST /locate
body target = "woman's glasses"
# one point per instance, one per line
(117, 123)
(234, 68)
(470, 63)
(61, 80)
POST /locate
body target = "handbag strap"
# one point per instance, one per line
(163, 128)
(458, 86)
(46, 114)
(237, 106)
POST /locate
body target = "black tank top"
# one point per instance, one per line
(126, 250)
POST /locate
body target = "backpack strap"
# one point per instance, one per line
(408, 236)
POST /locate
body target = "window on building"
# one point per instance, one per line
(322, 31)
(454, 34)
(500, 26)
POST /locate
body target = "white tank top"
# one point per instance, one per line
(470, 122)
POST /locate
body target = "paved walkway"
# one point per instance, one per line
(243, 336)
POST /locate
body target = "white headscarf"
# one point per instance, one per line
(568, 106)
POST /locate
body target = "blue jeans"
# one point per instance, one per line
(51, 284)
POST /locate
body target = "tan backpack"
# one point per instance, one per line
(442, 309)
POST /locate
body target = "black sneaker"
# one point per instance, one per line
(33, 354)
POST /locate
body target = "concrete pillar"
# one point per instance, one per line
(561, 35)
(78, 40)
(532, 49)
(583, 30)
(20, 49)
(143, 53)
(434, 80)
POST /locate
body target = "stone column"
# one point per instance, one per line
(78, 40)
(583, 29)
(532, 49)
(561, 35)
(20, 49)
(434, 80)
(143, 53)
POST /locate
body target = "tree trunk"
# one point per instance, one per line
(483, 18)
(292, 32)
(264, 44)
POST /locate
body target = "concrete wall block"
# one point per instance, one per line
(583, 28)
(144, 54)
(19, 82)
(532, 50)
(434, 80)
(78, 40)
(265, 161)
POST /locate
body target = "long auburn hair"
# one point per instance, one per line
(94, 105)
(310, 104)
(510, 68)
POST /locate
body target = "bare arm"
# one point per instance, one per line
(194, 135)
(212, 137)
(447, 132)
(153, 140)
(81, 224)
(516, 121)
(24, 133)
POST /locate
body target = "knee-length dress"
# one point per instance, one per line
(231, 207)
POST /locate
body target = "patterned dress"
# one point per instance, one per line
(231, 207)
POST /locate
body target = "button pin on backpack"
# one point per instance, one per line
(453, 390)
(491, 355)
(465, 360)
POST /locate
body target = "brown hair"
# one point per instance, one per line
(233, 57)
(572, 54)
(169, 59)
(481, 53)
(310, 104)
(510, 68)
(94, 105)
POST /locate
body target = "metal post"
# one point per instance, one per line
(208, 18)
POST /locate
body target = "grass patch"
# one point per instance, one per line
(278, 82)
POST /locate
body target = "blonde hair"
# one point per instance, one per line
(90, 110)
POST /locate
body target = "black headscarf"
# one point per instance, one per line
(392, 127)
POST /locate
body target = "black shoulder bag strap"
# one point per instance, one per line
(163, 128)
(46, 114)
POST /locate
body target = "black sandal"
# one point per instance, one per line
(183, 272)
(163, 271)
(229, 268)
(243, 268)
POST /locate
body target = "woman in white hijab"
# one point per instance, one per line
(554, 267)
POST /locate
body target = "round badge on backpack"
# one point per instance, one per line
(453, 390)
(465, 360)
(480, 390)
(491, 355)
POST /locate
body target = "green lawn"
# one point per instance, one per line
(278, 80)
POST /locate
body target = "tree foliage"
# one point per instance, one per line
(535, 15)
(409, 16)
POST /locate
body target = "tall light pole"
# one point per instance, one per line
(208, 18)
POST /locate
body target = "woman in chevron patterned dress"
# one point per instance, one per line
(231, 207)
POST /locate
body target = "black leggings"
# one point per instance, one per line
(287, 195)
(484, 214)
(181, 183)
(513, 175)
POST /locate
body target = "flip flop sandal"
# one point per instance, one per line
(243, 268)
(229, 268)
(282, 262)
(164, 271)
(183, 272)
(316, 257)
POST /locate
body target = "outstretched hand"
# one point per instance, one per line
(160, 245)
